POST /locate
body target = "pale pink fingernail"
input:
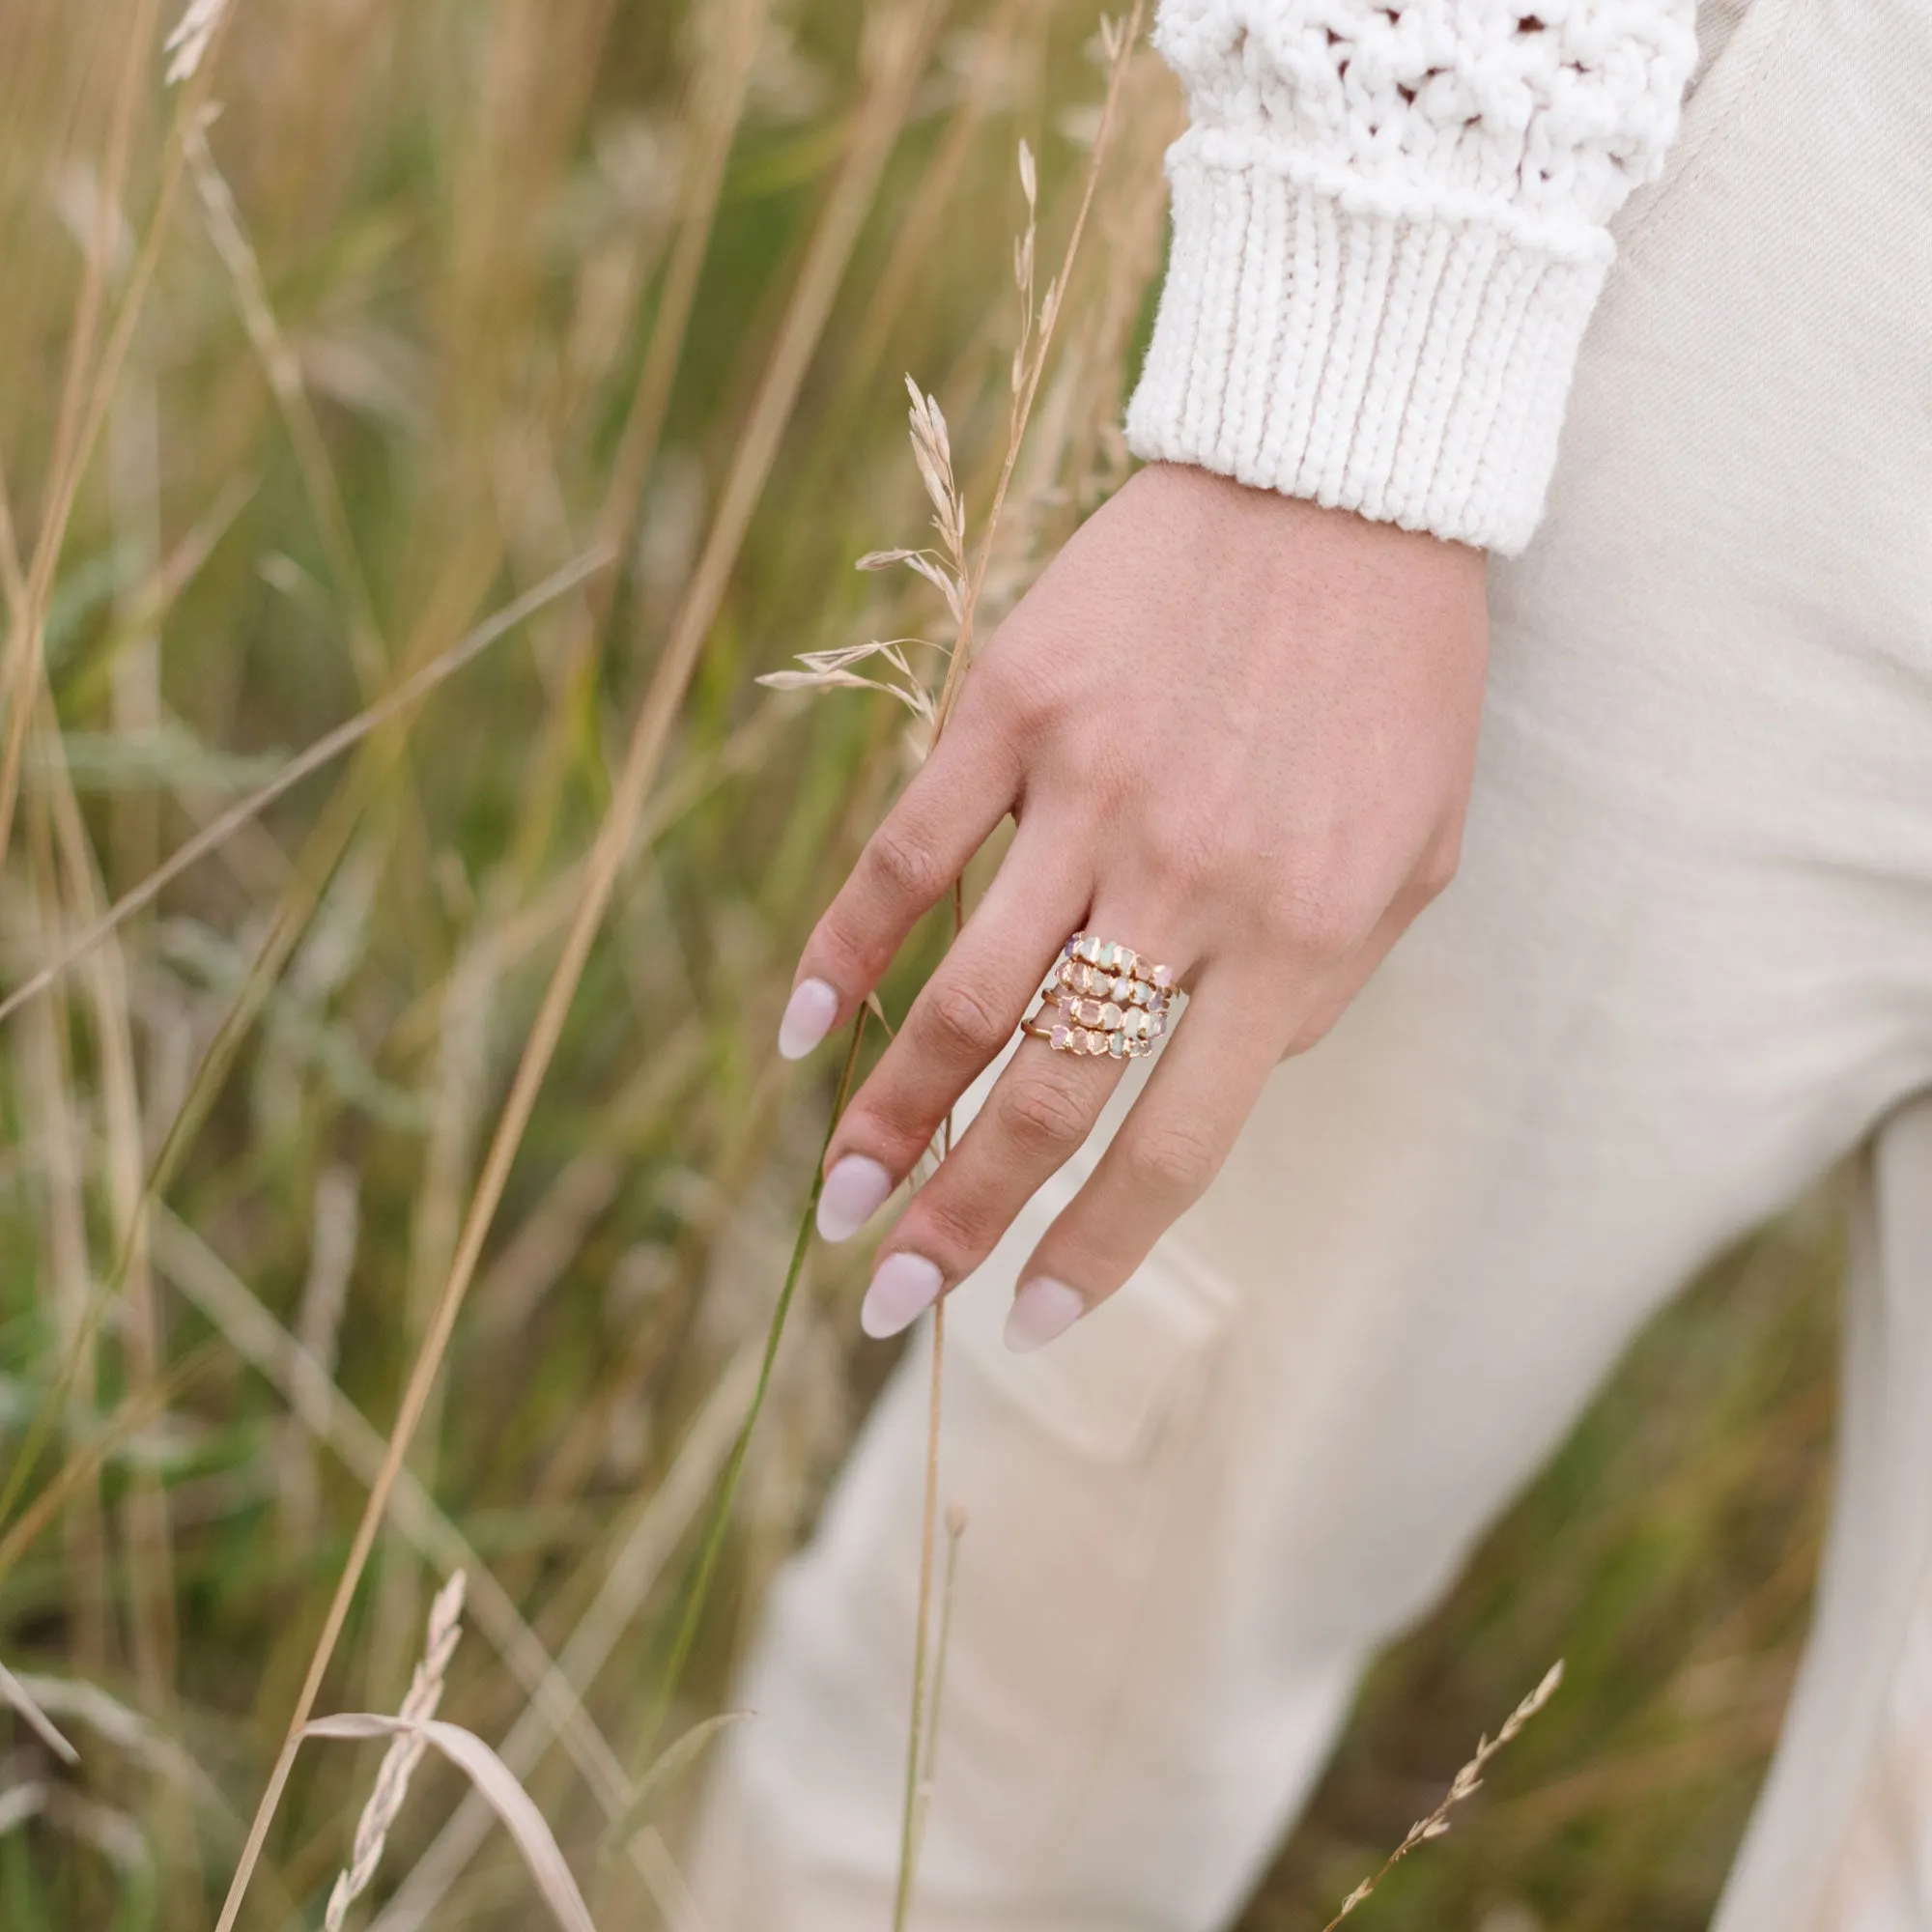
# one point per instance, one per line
(1041, 1310)
(904, 1288)
(808, 1017)
(854, 1191)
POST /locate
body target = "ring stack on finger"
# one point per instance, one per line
(1101, 997)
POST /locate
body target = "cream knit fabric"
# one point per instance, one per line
(1389, 231)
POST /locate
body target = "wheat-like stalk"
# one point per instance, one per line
(186, 46)
(958, 579)
(405, 1753)
(1467, 1783)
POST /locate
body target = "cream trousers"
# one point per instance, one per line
(1687, 965)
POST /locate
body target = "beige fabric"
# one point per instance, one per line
(1688, 965)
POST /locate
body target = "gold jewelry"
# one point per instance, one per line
(1103, 998)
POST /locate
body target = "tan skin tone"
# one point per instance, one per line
(1235, 731)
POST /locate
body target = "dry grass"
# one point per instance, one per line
(407, 471)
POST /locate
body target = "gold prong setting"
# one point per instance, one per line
(1101, 997)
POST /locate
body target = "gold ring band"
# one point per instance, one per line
(1102, 997)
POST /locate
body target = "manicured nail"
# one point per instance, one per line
(904, 1288)
(854, 1191)
(808, 1017)
(1041, 1310)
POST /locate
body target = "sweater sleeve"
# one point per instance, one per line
(1390, 226)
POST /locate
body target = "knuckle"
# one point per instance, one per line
(845, 952)
(1179, 855)
(961, 1020)
(1042, 1119)
(1313, 1030)
(1004, 708)
(885, 1127)
(948, 1232)
(1173, 1160)
(1316, 923)
(906, 864)
(1437, 871)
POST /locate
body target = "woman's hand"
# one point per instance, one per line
(1235, 731)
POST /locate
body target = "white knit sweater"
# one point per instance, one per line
(1389, 230)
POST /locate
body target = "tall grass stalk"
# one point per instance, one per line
(1465, 1785)
(698, 1593)
(1029, 362)
(909, 34)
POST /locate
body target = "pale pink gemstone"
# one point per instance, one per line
(1163, 977)
(1062, 1037)
(1097, 1042)
(1110, 1016)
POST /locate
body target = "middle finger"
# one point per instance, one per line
(965, 1013)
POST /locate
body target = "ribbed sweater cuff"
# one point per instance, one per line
(1412, 365)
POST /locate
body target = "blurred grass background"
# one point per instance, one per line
(293, 398)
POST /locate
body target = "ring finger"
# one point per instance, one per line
(1041, 1109)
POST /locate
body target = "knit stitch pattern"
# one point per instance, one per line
(1390, 226)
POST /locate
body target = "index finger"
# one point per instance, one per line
(922, 846)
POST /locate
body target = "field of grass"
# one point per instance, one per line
(513, 384)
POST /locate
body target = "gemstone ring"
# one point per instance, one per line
(1102, 997)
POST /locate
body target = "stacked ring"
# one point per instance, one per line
(1104, 998)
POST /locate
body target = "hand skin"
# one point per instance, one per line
(1236, 732)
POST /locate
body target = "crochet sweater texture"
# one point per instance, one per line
(1390, 226)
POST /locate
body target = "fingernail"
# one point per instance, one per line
(808, 1017)
(854, 1191)
(904, 1288)
(1041, 1310)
